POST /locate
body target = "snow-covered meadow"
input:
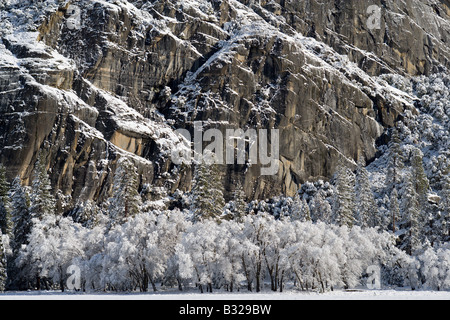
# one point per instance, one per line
(221, 296)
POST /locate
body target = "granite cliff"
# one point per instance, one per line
(87, 82)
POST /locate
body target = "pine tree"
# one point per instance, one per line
(395, 161)
(4, 186)
(366, 208)
(239, 202)
(411, 222)
(21, 215)
(422, 186)
(296, 208)
(445, 208)
(43, 202)
(207, 201)
(216, 186)
(126, 200)
(421, 183)
(305, 212)
(321, 209)
(3, 273)
(394, 209)
(5, 210)
(344, 204)
(22, 225)
(85, 213)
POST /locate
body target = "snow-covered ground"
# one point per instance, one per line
(336, 295)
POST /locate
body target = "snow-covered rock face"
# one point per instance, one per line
(91, 81)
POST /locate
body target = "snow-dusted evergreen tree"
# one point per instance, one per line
(217, 190)
(42, 200)
(20, 214)
(422, 187)
(207, 201)
(86, 213)
(305, 212)
(366, 207)
(422, 184)
(321, 209)
(344, 202)
(394, 209)
(410, 225)
(445, 208)
(126, 200)
(201, 203)
(396, 161)
(5, 209)
(3, 265)
(296, 208)
(239, 202)
(4, 186)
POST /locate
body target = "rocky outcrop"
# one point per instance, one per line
(133, 72)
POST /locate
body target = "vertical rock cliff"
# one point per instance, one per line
(88, 82)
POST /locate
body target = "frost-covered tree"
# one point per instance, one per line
(126, 200)
(231, 264)
(366, 207)
(344, 202)
(435, 268)
(54, 243)
(200, 244)
(141, 252)
(279, 235)
(133, 255)
(42, 200)
(162, 247)
(256, 237)
(171, 227)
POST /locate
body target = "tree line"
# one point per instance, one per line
(313, 241)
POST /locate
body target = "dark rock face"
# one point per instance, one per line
(137, 70)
